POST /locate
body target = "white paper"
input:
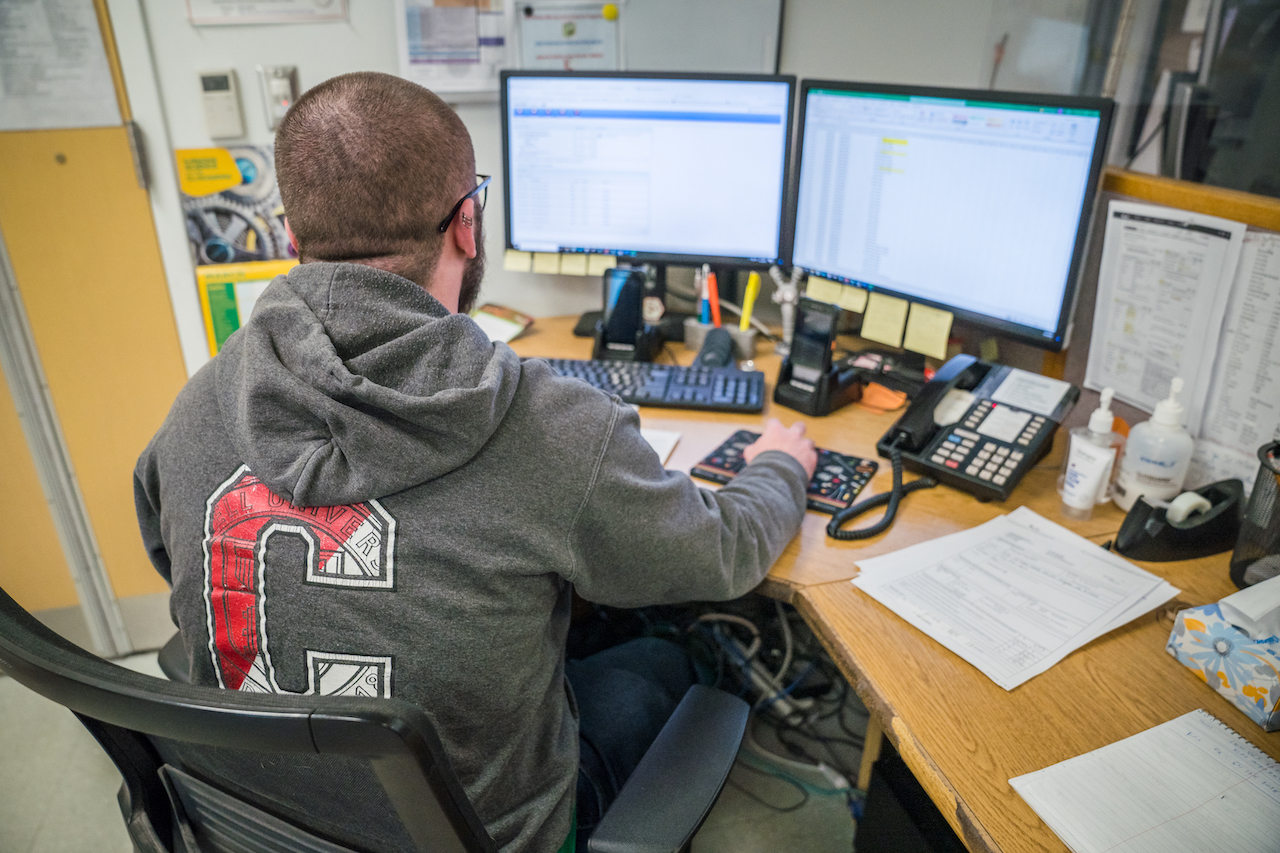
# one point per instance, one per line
(1163, 289)
(497, 329)
(204, 12)
(663, 441)
(1159, 594)
(1211, 462)
(1013, 596)
(1243, 407)
(53, 67)
(1190, 785)
(453, 49)
(560, 36)
(1255, 609)
(1032, 392)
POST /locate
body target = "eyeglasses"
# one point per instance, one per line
(481, 191)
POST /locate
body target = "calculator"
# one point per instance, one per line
(836, 482)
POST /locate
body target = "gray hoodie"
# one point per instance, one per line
(362, 495)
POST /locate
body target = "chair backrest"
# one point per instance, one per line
(239, 771)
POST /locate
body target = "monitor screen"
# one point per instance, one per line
(657, 167)
(975, 202)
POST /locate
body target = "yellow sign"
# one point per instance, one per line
(205, 171)
(228, 293)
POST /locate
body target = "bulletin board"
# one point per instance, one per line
(458, 49)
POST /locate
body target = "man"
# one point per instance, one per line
(362, 495)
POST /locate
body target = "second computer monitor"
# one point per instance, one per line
(649, 167)
(975, 202)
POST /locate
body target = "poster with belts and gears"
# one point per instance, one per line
(235, 228)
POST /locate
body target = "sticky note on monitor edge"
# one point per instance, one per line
(516, 261)
(853, 299)
(823, 290)
(546, 262)
(597, 264)
(885, 319)
(573, 264)
(927, 330)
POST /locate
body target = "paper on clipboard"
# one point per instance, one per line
(1243, 407)
(1163, 288)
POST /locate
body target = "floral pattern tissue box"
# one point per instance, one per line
(1244, 670)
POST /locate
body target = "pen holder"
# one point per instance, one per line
(695, 332)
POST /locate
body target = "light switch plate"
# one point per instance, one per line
(279, 90)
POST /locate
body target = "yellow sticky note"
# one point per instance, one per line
(573, 264)
(823, 290)
(516, 261)
(597, 264)
(927, 331)
(546, 262)
(853, 299)
(885, 318)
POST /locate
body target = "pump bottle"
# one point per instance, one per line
(1086, 479)
(1157, 455)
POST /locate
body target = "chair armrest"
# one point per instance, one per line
(670, 793)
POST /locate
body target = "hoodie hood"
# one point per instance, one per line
(350, 383)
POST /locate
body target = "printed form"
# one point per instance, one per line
(1186, 786)
(1013, 596)
(1243, 408)
(1163, 288)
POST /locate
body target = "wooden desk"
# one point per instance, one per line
(813, 558)
(962, 736)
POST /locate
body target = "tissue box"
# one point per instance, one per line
(1243, 669)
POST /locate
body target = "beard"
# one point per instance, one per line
(473, 274)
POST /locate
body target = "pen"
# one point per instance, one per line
(713, 295)
(705, 303)
(749, 300)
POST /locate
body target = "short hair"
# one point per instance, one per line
(368, 164)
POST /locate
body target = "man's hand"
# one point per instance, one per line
(789, 440)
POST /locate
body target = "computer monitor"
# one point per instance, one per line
(977, 202)
(650, 167)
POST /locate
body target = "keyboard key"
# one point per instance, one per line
(719, 389)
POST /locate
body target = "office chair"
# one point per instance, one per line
(215, 771)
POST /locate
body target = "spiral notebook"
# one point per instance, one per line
(1191, 784)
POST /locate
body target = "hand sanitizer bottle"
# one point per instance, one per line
(1157, 455)
(1086, 479)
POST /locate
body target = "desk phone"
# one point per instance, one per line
(979, 426)
(836, 481)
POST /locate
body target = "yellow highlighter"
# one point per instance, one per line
(749, 300)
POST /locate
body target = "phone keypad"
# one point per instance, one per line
(982, 458)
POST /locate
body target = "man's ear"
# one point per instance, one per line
(293, 241)
(464, 235)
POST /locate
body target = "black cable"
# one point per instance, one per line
(892, 497)
(804, 795)
(1142, 146)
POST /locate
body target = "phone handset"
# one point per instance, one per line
(911, 433)
(914, 429)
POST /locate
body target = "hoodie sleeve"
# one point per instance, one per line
(146, 502)
(644, 535)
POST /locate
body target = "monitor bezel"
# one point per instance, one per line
(784, 228)
(1004, 328)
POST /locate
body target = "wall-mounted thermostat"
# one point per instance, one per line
(221, 95)
(279, 90)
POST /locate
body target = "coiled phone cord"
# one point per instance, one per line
(892, 497)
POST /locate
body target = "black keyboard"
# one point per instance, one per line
(722, 389)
